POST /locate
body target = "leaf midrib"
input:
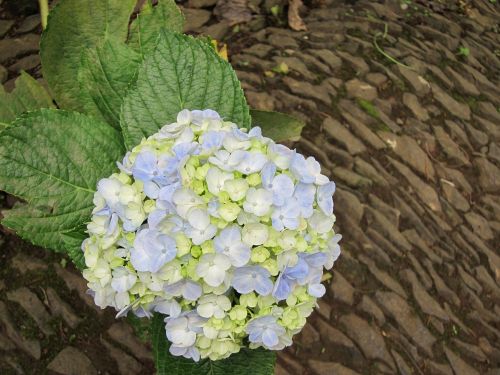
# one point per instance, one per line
(64, 182)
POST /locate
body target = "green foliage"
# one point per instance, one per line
(181, 73)
(73, 246)
(275, 10)
(369, 108)
(52, 160)
(278, 126)
(74, 26)
(106, 73)
(146, 27)
(85, 58)
(463, 51)
(141, 327)
(247, 361)
(28, 95)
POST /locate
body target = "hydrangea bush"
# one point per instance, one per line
(223, 231)
(206, 225)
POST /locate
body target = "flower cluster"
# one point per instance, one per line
(222, 230)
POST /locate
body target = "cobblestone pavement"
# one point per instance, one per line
(414, 147)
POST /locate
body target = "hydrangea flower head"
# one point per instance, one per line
(223, 231)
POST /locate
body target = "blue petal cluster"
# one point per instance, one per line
(223, 231)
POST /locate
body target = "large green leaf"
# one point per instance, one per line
(106, 73)
(255, 362)
(181, 73)
(277, 126)
(52, 160)
(28, 95)
(145, 28)
(74, 26)
(108, 70)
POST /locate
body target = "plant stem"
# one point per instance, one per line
(385, 54)
(44, 12)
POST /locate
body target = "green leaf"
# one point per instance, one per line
(73, 246)
(181, 73)
(277, 126)
(74, 26)
(142, 327)
(107, 72)
(37, 225)
(52, 160)
(28, 95)
(253, 361)
(145, 28)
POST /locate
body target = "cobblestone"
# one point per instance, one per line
(70, 361)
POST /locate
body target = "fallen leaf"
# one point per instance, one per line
(294, 20)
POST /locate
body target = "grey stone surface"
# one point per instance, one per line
(426, 193)
(341, 289)
(3, 74)
(460, 367)
(411, 101)
(399, 310)
(301, 88)
(10, 48)
(328, 57)
(33, 306)
(363, 132)
(418, 83)
(347, 204)
(328, 368)
(369, 307)
(360, 90)
(26, 63)
(71, 361)
(410, 152)
(195, 18)
(453, 196)
(31, 347)
(426, 302)
(60, 308)
(76, 283)
(342, 135)
(370, 341)
(124, 335)
(457, 109)
(450, 148)
(24, 263)
(489, 174)
(29, 24)
(201, 3)
(127, 365)
(5, 26)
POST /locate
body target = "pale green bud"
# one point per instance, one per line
(259, 254)
(229, 211)
(271, 265)
(254, 179)
(201, 172)
(183, 244)
(238, 312)
(149, 206)
(196, 251)
(249, 300)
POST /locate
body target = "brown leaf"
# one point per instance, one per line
(294, 20)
